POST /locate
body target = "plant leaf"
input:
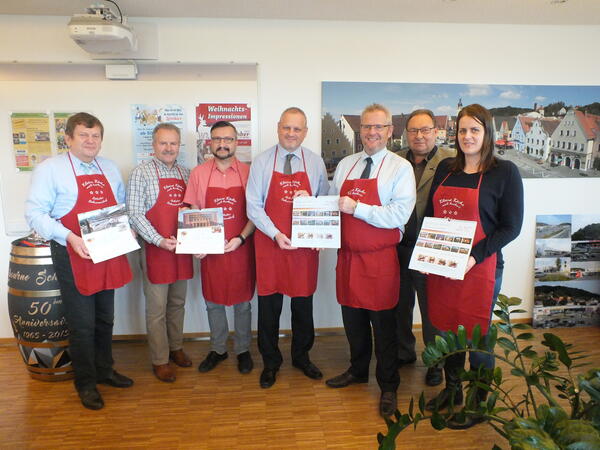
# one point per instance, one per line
(506, 344)
(525, 336)
(441, 345)
(462, 337)
(476, 336)
(553, 342)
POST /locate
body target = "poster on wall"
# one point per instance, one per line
(547, 131)
(567, 271)
(239, 114)
(144, 118)
(31, 139)
(60, 124)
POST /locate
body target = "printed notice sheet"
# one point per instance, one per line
(106, 233)
(443, 247)
(200, 231)
(316, 222)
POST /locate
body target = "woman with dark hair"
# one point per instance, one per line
(479, 187)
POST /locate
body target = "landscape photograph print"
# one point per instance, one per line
(547, 131)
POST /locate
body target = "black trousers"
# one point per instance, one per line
(303, 329)
(362, 325)
(90, 322)
(411, 281)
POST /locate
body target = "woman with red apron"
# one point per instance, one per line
(469, 302)
(284, 272)
(367, 286)
(229, 279)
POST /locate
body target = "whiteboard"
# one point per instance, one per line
(83, 87)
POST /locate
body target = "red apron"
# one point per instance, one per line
(289, 272)
(163, 266)
(461, 302)
(229, 279)
(367, 271)
(94, 192)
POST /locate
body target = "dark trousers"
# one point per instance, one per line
(303, 329)
(358, 323)
(411, 281)
(90, 322)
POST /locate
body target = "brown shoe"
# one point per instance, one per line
(180, 358)
(164, 372)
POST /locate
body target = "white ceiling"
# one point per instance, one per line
(540, 12)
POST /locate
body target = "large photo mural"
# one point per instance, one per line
(547, 131)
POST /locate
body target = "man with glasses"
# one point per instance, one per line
(377, 196)
(227, 279)
(277, 175)
(424, 157)
(154, 196)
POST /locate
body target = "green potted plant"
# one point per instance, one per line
(559, 409)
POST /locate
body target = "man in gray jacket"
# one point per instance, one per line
(424, 157)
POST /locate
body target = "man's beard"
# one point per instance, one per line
(222, 157)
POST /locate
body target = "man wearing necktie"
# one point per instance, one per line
(377, 196)
(277, 175)
(424, 157)
(62, 187)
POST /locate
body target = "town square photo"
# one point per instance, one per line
(547, 131)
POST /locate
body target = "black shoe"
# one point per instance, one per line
(91, 399)
(117, 380)
(267, 378)
(469, 422)
(211, 361)
(444, 399)
(405, 362)
(310, 370)
(434, 376)
(387, 404)
(245, 364)
(344, 380)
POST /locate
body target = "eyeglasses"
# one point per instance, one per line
(373, 127)
(425, 131)
(227, 139)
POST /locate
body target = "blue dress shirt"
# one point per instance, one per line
(395, 185)
(53, 192)
(259, 181)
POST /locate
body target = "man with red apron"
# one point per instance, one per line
(62, 187)
(228, 279)
(377, 196)
(276, 176)
(154, 196)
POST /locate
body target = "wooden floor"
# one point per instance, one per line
(223, 409)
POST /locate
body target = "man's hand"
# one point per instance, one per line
(78, 245)
(470, 263)
(168, 244)
(347, 205)
(233, 244)
(284, 242)
(301, 193)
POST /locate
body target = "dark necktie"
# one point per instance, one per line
(367, 172)
(287, 167)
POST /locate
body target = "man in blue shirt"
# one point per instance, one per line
(62, 187)
(276, 176)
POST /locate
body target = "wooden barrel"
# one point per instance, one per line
(36, 312)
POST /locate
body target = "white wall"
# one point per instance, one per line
(295, 56)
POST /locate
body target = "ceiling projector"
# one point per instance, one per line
(99, 31)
